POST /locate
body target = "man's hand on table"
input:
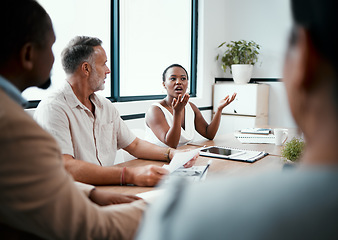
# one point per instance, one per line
(148, 175)
(151, 175)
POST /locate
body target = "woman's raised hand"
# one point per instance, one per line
(226, 101)
(179, 103)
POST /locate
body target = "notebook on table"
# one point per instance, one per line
(255, 138)
(256, 130)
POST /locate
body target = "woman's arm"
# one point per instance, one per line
(209, 130)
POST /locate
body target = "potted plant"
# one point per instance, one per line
(292, 150)
(239, 57)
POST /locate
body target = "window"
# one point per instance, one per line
(152, 35)
(148, 36)
(141, 38)
(71, 18)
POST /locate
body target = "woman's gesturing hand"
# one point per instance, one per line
(226, 101)
(179, 103)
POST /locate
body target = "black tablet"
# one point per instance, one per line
(232, 154)
(220, 152)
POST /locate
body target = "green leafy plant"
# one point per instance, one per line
(239, 52)
(292, 150)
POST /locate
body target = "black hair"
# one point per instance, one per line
(22, 21)
(171, 66)
(320, 19)
(78, 50)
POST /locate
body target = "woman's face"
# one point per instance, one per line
(176, 82)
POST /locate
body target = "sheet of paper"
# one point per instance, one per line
(192, 174)
(180, 159)
(151, 196)
(248, 155)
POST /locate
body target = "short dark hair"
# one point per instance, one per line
(78, 50)
(22, 21)
(171, 66)
(320, 19)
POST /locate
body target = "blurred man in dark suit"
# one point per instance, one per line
(38, 198)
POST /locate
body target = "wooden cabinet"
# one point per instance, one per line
(249, 109)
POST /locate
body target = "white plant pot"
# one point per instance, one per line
(241, 73)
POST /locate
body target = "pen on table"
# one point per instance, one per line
(205, 169)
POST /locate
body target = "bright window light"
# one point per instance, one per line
(153, 35)
(74, 18)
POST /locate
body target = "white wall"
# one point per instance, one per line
(267, 22)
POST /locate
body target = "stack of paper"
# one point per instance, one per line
(255, 138)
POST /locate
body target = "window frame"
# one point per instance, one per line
(115, 55)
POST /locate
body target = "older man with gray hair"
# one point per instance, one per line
(88, 127)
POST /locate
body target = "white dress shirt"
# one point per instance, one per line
(80, 133)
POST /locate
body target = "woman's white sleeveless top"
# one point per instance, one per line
(187, 134)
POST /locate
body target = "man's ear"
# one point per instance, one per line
(309, 60)
(86, 68)
(27, 56)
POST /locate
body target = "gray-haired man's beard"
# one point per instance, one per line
(46, 84)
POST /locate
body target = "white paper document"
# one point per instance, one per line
(192, 174)
(176, 168)
(180, 159)
(151, 196)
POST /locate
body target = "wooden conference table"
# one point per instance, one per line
(271, 162)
